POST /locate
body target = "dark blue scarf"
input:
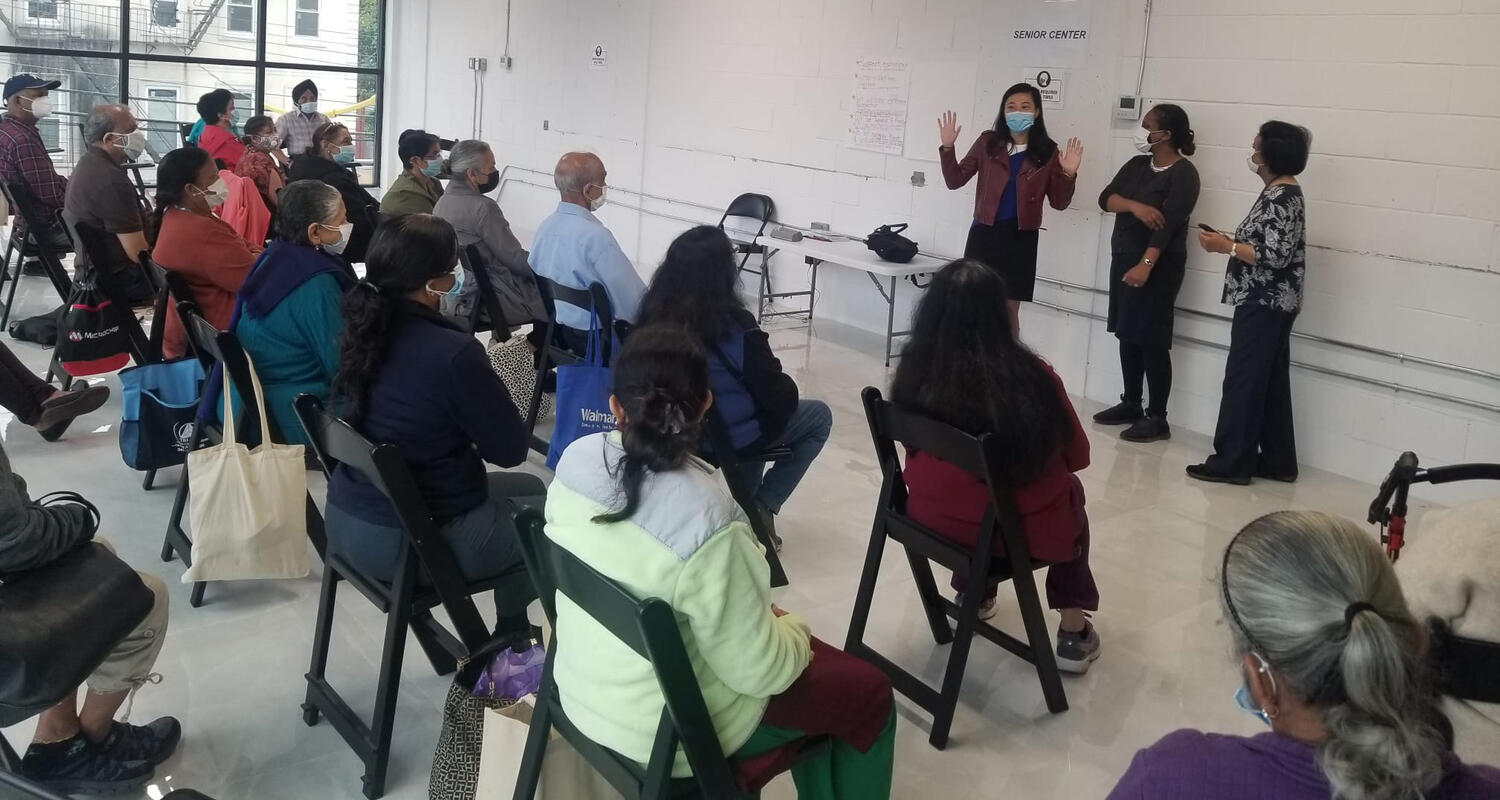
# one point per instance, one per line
(280, 270)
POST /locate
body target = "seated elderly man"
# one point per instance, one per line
(574, 249)
(102, 196)
(478, 220)
(86, 750)
(23, 155)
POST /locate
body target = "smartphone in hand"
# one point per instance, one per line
(1207, 227)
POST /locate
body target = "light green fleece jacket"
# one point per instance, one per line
(688, 544)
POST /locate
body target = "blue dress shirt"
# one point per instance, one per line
(574, 249)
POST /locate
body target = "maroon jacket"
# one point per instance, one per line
(994, 173)
(952, 502)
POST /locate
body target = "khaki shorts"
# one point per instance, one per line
(127, 666)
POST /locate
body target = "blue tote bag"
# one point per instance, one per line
(161, 401)
(582, 397)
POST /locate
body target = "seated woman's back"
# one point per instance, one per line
(640, 508)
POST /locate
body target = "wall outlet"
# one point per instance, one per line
(506, 62)
(820, 226)
(479, 64)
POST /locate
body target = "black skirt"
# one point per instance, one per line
(1144, 315)
(1010, 252)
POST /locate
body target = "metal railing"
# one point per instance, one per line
(158, 22)
(1403, 358)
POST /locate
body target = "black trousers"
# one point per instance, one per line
(1255, 432)
(21, 391)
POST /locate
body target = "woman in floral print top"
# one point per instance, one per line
(1267, 263)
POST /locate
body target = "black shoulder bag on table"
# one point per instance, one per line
(60, 620)
(890, 245)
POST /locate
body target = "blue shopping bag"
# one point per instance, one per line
(583, 391)
(161, 401)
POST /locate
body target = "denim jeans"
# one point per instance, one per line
(805, 434)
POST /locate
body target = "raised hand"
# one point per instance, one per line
(1072, 157)
(948, 128)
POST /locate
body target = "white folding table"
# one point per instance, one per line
(850, 254)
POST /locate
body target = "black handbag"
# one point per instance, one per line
(59, 621)
(890, 245)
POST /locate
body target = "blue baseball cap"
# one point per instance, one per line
(27, 80)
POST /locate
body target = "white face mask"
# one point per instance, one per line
(345, 231)
(1142, 140)
(1250, 162)
(41, 107)
(132, 144)
(216, 193)
(310, 107)
(598, 202)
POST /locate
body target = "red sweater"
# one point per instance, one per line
(221, 144)
(1033, 184)
(212, 258)
(952, 502)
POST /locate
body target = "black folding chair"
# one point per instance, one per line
(489, 302)
(649, 627)
(94, 241)
(427, 576)
(164, 299)
(759, 208)
(557, 352)
(980, 457)
(732, 464)
(29, 211)
(215, 347)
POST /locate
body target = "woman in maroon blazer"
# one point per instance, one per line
(964, 367)
(1018, 164)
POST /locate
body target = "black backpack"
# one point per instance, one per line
(890, 245)
(40, 329)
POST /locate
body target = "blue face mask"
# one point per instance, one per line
(448, 301)
(1019, 121)
(1246, 703)
(433, 168)
(345, 154)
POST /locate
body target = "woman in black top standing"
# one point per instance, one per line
(1267, 262)
(1152, 196)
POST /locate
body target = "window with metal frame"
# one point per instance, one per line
(306, 23)
(240, 16)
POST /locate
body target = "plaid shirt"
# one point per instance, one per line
(296, 130)
(24, 159)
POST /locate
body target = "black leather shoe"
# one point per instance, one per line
(1203, 473)
(1123, 413)
(1262, 472)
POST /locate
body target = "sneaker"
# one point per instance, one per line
(152, 743)
(80, 766)
(58, 412)
(1202, 472)
(1124, 413)
(1150, 428)
(1076, 651)
(986, 606)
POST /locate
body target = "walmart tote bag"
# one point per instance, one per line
(247, 507)
(582, 396)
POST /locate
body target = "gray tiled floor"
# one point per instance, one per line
(233, 668)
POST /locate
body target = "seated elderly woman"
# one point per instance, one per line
(417, 189)
(478, 220)
(330, 159)
(218, 136)
(1334, 663)
(194, 243)
(288, 316)
(412, 377)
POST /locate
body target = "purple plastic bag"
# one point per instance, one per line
(511, 675)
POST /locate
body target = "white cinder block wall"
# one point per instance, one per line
(703, 99)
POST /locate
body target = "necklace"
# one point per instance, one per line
(1155, 168)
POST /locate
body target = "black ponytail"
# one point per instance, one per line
(177, 171)
(404, 254)
(1172, 118)
(661, 381)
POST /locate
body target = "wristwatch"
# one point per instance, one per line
(1148, 262)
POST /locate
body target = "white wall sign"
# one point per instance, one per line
(1051, 32)
(599, 57)
(881, 88)
(1048, 81)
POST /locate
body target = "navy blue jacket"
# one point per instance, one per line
(754, 397)
(438, 399)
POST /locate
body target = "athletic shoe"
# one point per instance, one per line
(1076, 651)
(79, 766)
(986, 606)
(1149, 428)
(1203, 473)
(152, 743)
(1123, 413)
(60, 410)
